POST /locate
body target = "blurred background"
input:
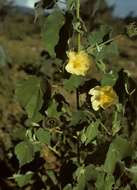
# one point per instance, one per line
(122, 8)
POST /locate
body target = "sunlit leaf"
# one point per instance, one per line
(24, 152)
(107, 51)
(104, 182)
(133, 173)
(73, 82)
(70, 4)
(100, 181)
(52, 26)
(90, 172)
(101, 66)
(96, 37)
(81, 180)
(109, 79)
(52, 177)
(84, 175)
(23, 179)
(109, 181)
(90, 133)
(52, 110)
(43, 136)
(81, 183)
(118, 149)
(29, 94)
(68, 187)
(117, 121)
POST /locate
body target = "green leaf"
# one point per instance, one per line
(117, 120)
(90, 172)
(106, 51)
(96, 37)
(23, 179)
(81, 180)
(37, 147)
(109, 79)
(43, 136)
(109, 181)
(84, 175)
(24, 152)
(29, 95)
(52, 109)
(104, 182)
(70, 4)
(73, 82)
(133, 174)
(118, 149)
(90, 133)
(52, 177)
(81, 183)
(34, 104)
(100, 181)
(51, 29)
(68, 187)
(101, 66)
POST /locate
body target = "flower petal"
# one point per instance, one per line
(103, 97)
(95, 105)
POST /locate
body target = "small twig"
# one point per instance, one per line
(107, 131)
(102, 125)
(89, 49)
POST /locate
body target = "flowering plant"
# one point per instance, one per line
(76, 106)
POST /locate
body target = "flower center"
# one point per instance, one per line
(105, 99)
(76, 64)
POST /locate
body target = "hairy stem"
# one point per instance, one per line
(78, 19)
(77, 90)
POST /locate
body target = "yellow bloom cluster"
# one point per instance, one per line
(79, 63)
(103, 97)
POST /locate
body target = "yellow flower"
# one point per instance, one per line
(79, 63)
(103, 97)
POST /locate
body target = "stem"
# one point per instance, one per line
(78, 18)
(78, 9)
(77, 91)
(78, 44)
